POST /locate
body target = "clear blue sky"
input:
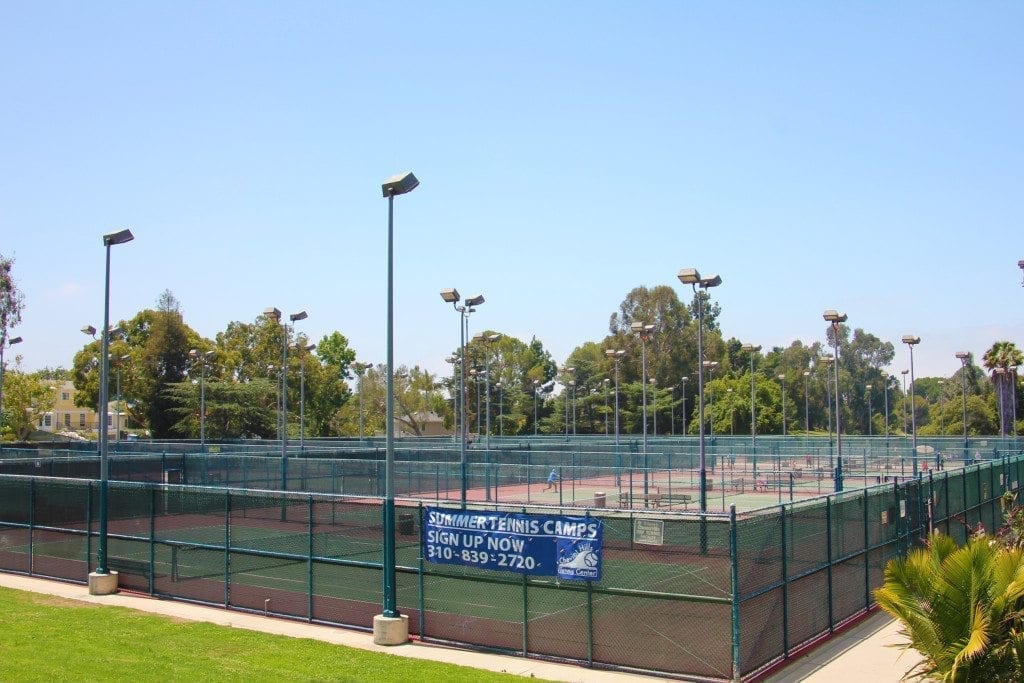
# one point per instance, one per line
(859, 156)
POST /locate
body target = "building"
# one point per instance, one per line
(65, 416)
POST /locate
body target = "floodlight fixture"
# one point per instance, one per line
(295, 317)
(710, 281)
(272, 313)
(750, 348)
(782, 377)
(89, 330)
(399, 184)
(119, 237)
(911, 339)
(450, 296)
(14, 340)
(474, 300)
(689, 276)
(962, 355)
(834, 317)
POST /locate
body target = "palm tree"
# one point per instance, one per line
(1002, 361)
(960, 608)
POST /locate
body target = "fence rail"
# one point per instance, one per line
(718, 597)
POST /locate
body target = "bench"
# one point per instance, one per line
(129, 565)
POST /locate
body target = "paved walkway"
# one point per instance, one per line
(861, 653)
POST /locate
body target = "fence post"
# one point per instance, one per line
(526, 615)
(785, 583)
(227, 546)
(734, 581)
(867, 555)
(828, 555)
(422, 607)
(152, 539)
(88, 529)
(590, 618)
(309, 548)
(31, 525)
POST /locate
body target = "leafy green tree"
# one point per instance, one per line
(233, 409)
(26, 397)
(960, 608)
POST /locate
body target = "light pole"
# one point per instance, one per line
(911, 341)
(274, 314)
(501, 408)
(671, 410)
(827, 360)
(604, 383)
(273, 371)
(118, 362)
(452, 297)
(487, 340)
(690, 276)
(782, 379)
(390, 627)
(1000, 374)
(616, 355)
(654, 407)
(572, 383)
(868, 392)
(536, 391)
(836, 319)
(645, 331)
(303, 349)
(888, 383)
(807, 409)
(565, 396)
(732, 414)
(709, 366)
(684, 380)
(103, 581)
(752, 351)
(942, 403)
(361, 369)
(202, 358)
(906, 426)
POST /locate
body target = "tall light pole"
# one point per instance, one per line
(782, 379)
(536, 391)
(604, 383)
(616, 355)
(672, 410)
(732, 413)
(836, 319)
(487, 340)
(303, 349)
(572, 383)
(274, 314)
(103, 581)
(709, 367)
(888, 383)
(684, 380)
(1000, 375)
(390, 627)
(868, 387)
(752, 351)
(201, 357)
(361, 369)
(452, 297)
(827, 360)
(645, 331)
(501, 408)
(911, 341)
(906, 426)
(690, 276)
(654, 407)
(807, 409)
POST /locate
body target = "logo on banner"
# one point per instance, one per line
(578, 560)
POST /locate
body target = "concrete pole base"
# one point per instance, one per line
(102, 584)
(390, 630)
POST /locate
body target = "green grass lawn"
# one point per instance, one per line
(46, 639)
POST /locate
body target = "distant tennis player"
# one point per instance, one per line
(552, 480)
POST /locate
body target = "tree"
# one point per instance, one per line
(233, 409)
(960, 608)
(1002, 360)
(26, 397)
(12, 301)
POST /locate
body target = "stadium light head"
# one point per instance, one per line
(475, 300)
(118, 238)
(450, 296)
(399, 184)
(962, 355)
(272, 313)
(689, 276)
(295, 317)
(911, 339)
(710, 281)
(834, 317)
(14, 340)
(750, 348)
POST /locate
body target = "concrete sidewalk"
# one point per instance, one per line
(863, 652)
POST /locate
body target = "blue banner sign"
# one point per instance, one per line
(539, 545)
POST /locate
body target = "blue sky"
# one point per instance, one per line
(859, 156)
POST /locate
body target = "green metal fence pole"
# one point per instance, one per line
(734, 587)
(590, 618)
(867, 555)
(227, 548)
(88, 529)
(526, 614)
(963, 502)
(785, 583)
(152, 540)
(422, 606)
(31, 525)
(309, 567)
(828, 556)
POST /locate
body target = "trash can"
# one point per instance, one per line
(599, 499)
(406, 527)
